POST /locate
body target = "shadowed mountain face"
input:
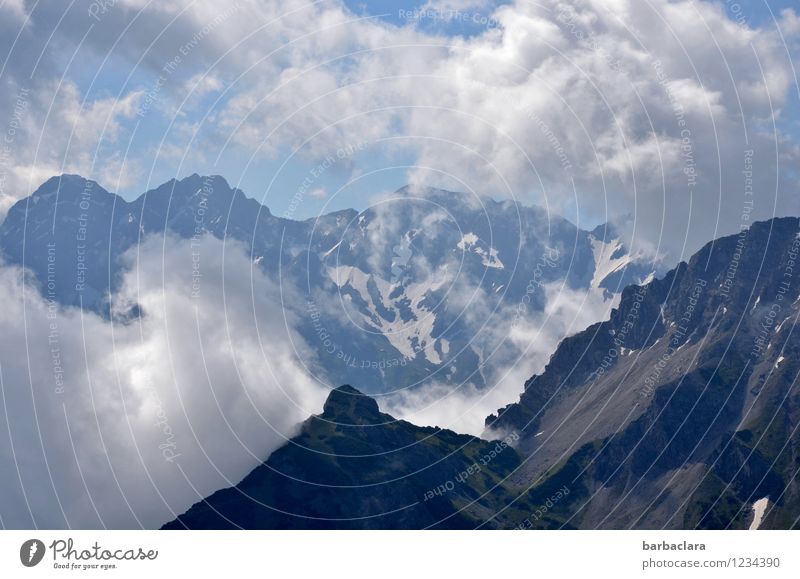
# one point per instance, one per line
(681, 411)
(353, 467)
(421, 286)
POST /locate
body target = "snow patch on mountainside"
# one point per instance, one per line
(467, 241)
(331, 250)
(609, 257)
(759, 508)
(408, 335)
(471, 243)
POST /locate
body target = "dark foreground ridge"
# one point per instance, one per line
(353, 467)
(681, 411)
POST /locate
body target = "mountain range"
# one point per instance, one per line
(422, 286)
(680, 411)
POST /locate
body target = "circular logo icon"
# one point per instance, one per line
(32, 552)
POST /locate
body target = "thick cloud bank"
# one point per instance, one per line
(122, 425)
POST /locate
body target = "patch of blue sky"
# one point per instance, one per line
(756, 13)
(472, 19)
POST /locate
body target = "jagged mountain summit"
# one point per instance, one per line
(681, 411)
(421, 286)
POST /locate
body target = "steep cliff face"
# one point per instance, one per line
(681, 410)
